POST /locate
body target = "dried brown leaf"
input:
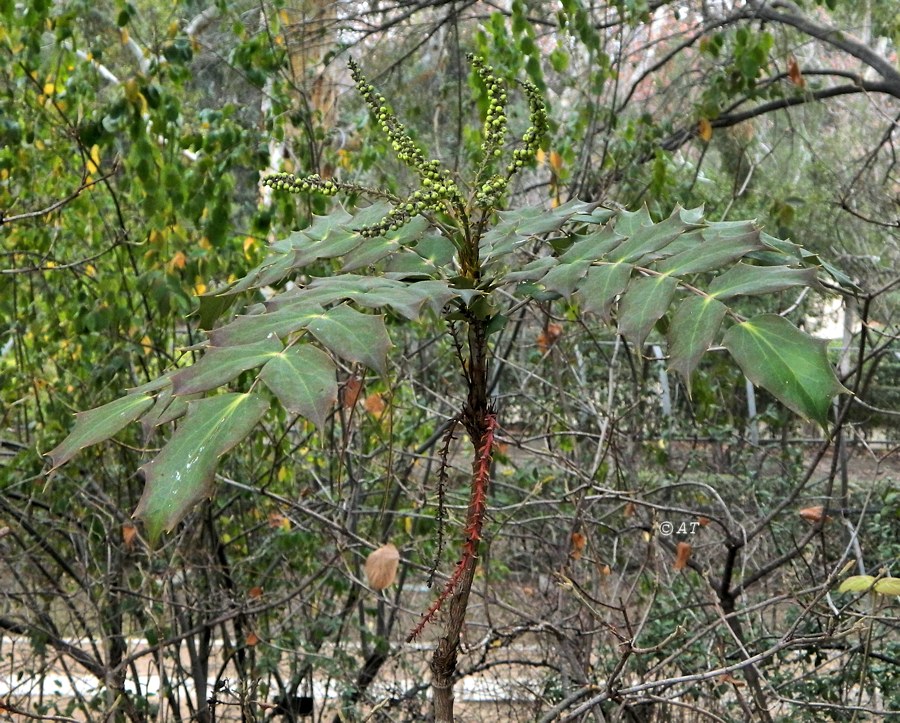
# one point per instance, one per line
(381, 566)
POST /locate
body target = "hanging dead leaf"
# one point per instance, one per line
(381, 566)
(629, 509)
(703, 521)
(251, 639)
(349, 393)
(794, 72)
(375, 404)
(578, 544)
(605, 570)
(549, 336)
(682, 555)
(814, 514)
(255, 593)
(704, 130)
(129, 533)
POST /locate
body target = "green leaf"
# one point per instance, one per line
(601, 286)
(182, 473)
(648, 240)
(643, 304)
(857, 583)
(532, 270)
(303, 379)
(98, 425)
(211, 306)
(565, 277)
(593, 246)
(745, 280)
(694, 326)
(256, 327)
(354, 336)
(711, 253)
(219, 365)
(777, 356)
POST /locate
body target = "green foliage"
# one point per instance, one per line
(627, 262)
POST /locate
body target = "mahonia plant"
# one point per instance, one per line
(449, 246)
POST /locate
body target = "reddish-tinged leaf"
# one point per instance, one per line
(350, 392)
(813, 514)
(129, 533)
(255, 593)
(794, 72)
(579, 541)
(375, 404)
(682, 555)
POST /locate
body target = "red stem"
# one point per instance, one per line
(477, 506)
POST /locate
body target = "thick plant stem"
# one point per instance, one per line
(480, 424)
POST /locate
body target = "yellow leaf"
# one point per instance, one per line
(49, 88)
(249, 243)
(204, 244)
(857, 583)
(704, 129)
(178, 260)
(199, 288)
(90, 270)
(408, 524)
(147, 344)
(888, 586)
(93, 163)
(540, 156)
(555, 161)
(123, 34)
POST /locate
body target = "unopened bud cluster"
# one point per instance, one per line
(532, 138)
(495, 122)
(290, 183)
